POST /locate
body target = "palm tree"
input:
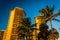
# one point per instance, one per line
(55, 34)
(48, 13)
(42, 35)
(24, 30)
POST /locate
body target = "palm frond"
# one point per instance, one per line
(56, 20)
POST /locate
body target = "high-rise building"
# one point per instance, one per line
(1, 34)
(16, 16)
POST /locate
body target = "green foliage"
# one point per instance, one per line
(43, 27)
(26, 22)
(47, 11)
(53, 34)
(43, 32)
(24, 29)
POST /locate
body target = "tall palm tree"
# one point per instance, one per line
(52, 29)
(48, 13)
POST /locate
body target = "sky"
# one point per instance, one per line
(31, 7)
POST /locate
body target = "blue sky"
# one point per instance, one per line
(31, 8)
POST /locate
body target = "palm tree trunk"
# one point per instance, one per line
(51, 23)
(51, 28)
